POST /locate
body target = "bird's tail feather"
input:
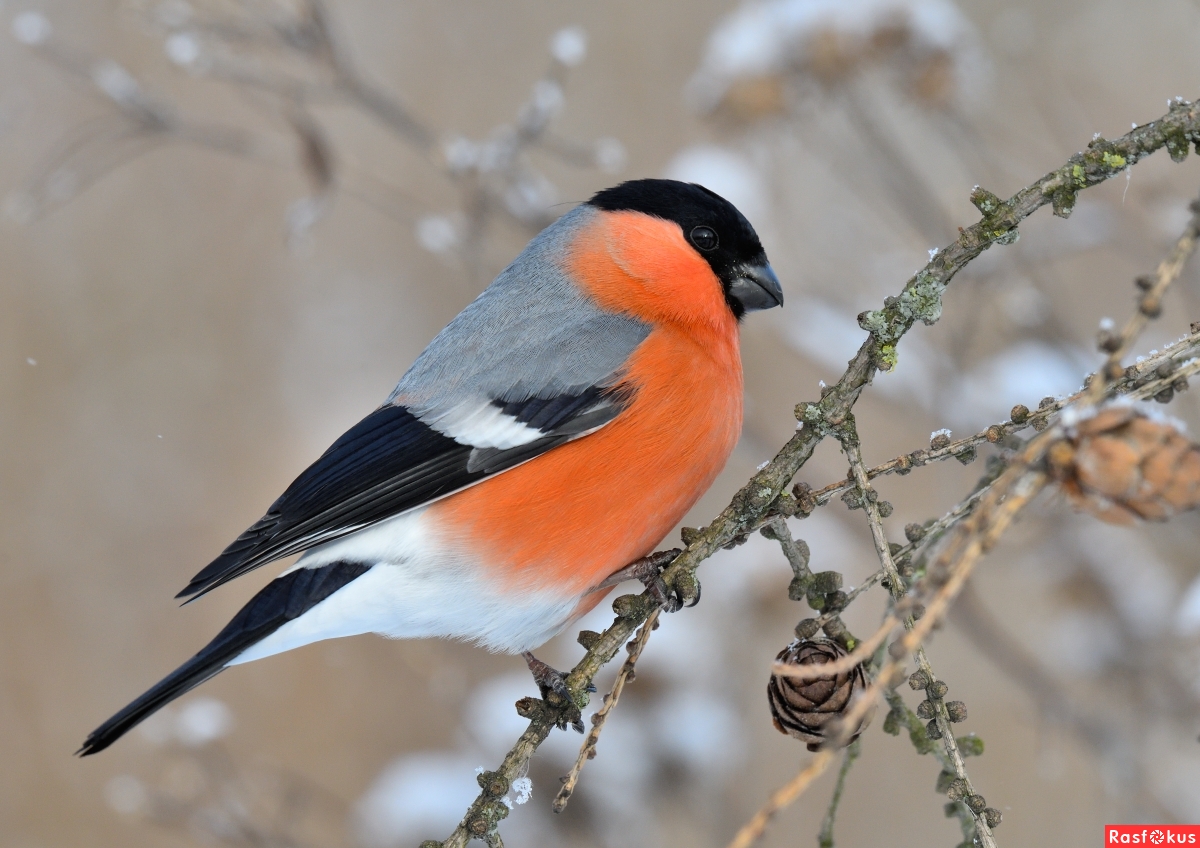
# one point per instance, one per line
(280, 601)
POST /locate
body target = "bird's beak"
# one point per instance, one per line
(756, 287)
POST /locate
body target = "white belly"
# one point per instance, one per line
(416, 589)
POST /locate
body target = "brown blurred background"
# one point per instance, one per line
(207, 278)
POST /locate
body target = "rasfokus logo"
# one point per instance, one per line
(1151, 834)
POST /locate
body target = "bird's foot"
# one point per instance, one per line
(553, 685)
(649, 571)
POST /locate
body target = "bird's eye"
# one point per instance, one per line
(704, 238)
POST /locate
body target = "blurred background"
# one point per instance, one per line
(230, 225)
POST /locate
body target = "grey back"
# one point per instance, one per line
(531, 334)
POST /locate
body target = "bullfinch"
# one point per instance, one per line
(556, 430)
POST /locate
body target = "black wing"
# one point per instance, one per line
(389, 463)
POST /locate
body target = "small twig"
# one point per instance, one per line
(139, 122)
(486, 810)
(386, 109)
(970, 540)
(941, 716)
(782, 797)
(1149, 306)
(918, 735)
(825, 618)
(796, 551)
(1014, 490)
(870, 501)
(588, 750)
(932, 533)
(853, 451)
(937, 529)
(825, 837)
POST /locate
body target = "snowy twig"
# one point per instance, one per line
(795, 550)
(953, 761)
(870, 504)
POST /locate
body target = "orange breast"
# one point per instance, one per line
(576, 514)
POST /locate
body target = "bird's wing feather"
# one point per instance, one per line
(389, 463)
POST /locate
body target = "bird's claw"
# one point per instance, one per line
(663, 595)
(686, 589)
(553, 686)
(684, 592)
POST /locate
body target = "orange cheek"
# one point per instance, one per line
(641, 265)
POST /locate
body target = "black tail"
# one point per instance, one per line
(280, 601)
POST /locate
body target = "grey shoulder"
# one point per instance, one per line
(531, 333)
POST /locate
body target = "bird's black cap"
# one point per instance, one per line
(737, 257)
